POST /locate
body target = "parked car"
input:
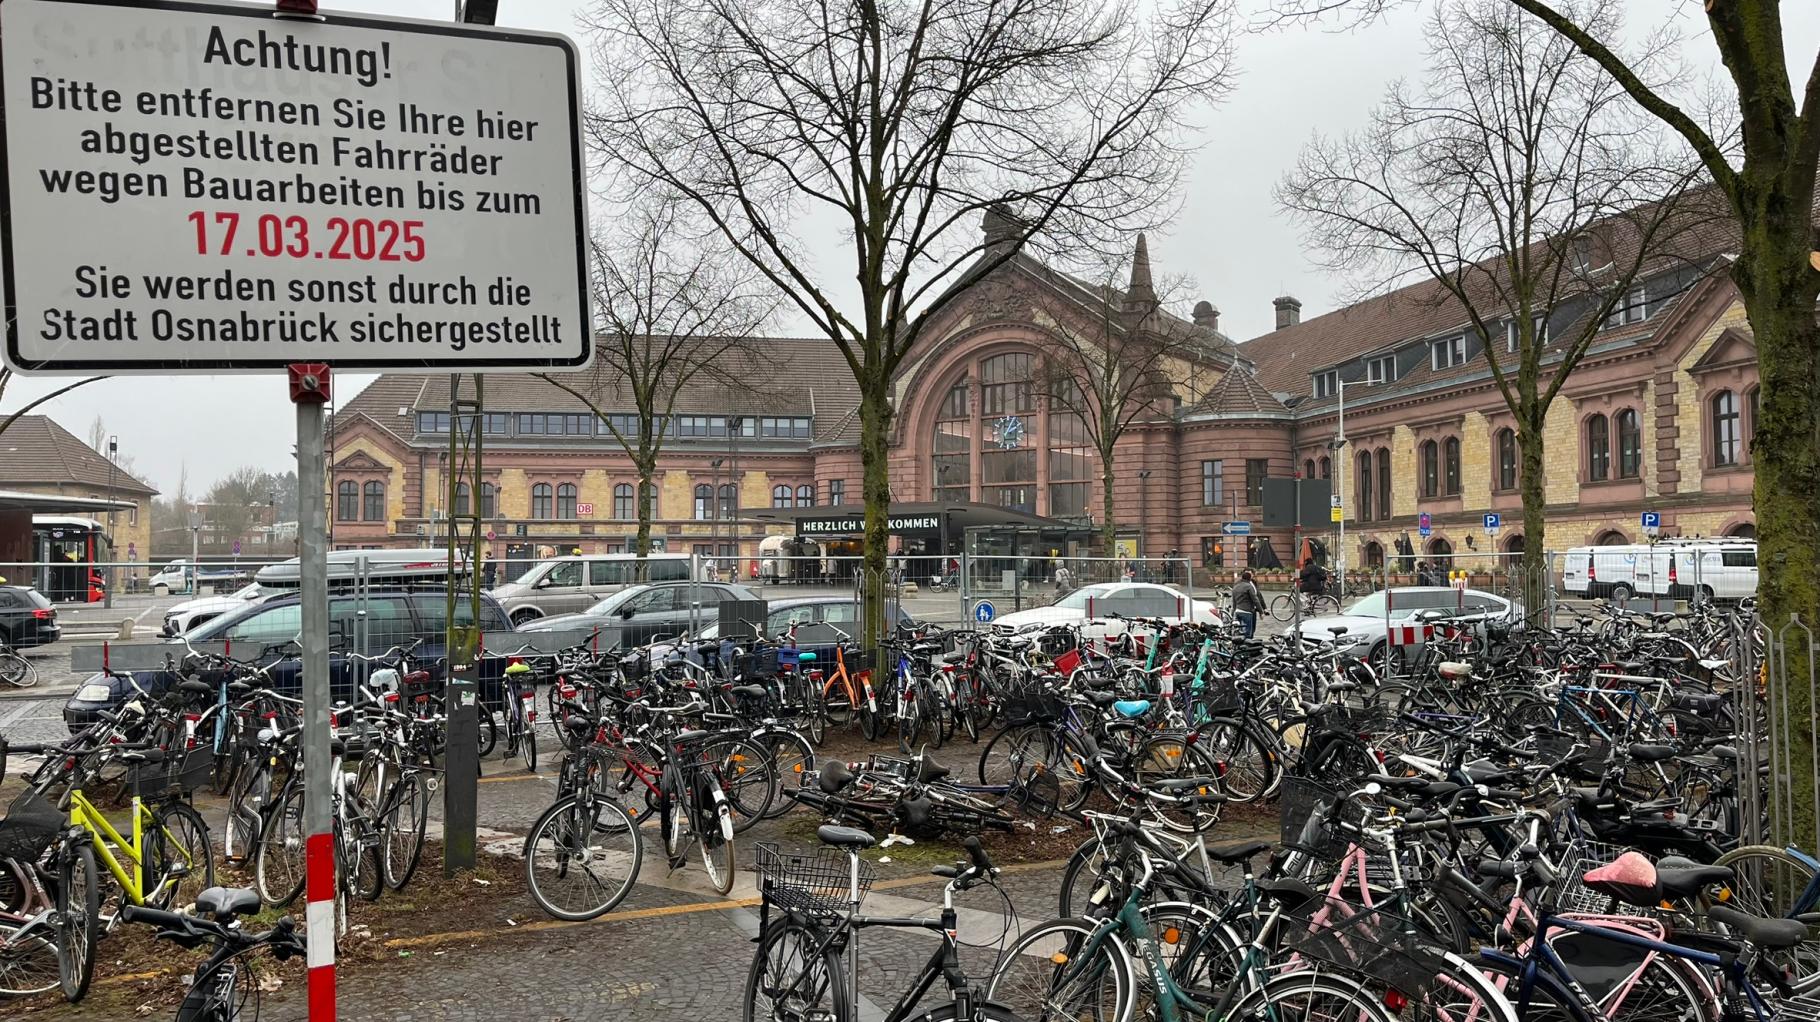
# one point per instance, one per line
(571, 585)
(1713, 569)
(383, 619)
(1092, 609)
(820, 622)
(391, 569)
(654, 610)
(27, 618)
(1368, 621)
(181, 574)
(192, 613)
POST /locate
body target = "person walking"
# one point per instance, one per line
(1247, 603)
(1063, 579)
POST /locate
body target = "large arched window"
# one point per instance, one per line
(489, 499)
(1630, 445)
(1430, 456)
(1326, 468)
(1507, 459)
(1726, 439)
(805, 495)
(1450, 465)
(1308, 469)
(565, 501)
(541, 500)
(704, 502)
(1384, 507)
(623, 508)
(1026, 456)
(347, 501)
(783, 496)
(1366, 491)
(374, 511)
(1598, 449)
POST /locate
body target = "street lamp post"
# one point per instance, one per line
(714, 512)
(1143, 512)
(107, 592)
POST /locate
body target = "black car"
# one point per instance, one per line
(646, 613)
(27, 618)
(391, 618)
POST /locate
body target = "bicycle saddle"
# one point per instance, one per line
(748, 691)
(196, 688)
(1337, 630)
(224, 903)
(929, 770)
(955, 657)
(1647, 752)
(844, 837)
(1132, 707)
(1454, 670)
(807, 656)
(1100, 698)
(1233, 852)
(1684, 878)
(1631, 879)
(833, 777)
(1769, 933)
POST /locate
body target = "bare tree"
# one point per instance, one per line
(1520, 183)
(1121, 373)
(674, 316)
(905, 122)
(97, 435)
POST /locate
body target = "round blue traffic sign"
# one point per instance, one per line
(983, 611)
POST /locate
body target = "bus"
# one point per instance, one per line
(67, 549)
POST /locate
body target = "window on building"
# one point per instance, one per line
(1326, 468)
(565, 502)
(432, 422)
(1632, 308)
(1630, 445)
(837, 491)
(375, 502)
(1382, 369)
(622, 502)
(464, 497)
(783, 496)
(1072, 463)
(1430, 456)
(728, 497)
(1751, 407)
(1255, 471)
(347, 501)
(704, 502)
(1005, 384)
(1367, 492)
(1726, 436)
(1598, 449)
(650, 492)
(1327, 384)
(1384, 506)
(549, 424)
(1513, 337)
(805, 495)
(954, 404)
(1507, 459)
(1308, 469)
(1450, 466)
(1447, 352)
(1213, 488)
(543, 499)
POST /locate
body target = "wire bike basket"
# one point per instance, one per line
(1308, 816)
(1368, 943)
(180, 770)
(30, 826)
(818, 882)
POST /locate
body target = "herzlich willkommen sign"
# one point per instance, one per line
(208, 187)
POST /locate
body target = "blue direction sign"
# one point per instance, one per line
(1492, 522)
(983, 612)
(1236, 528)
(1652, 520)
(1425, 525)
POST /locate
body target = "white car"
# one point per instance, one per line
(1369, 620)
(190, 613)
(1092, 609)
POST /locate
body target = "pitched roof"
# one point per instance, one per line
(35, 450)
(1238, 393)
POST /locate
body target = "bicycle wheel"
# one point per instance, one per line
(1311, 997)
(746, 777)
(278, 864)
(17, 671)
(814, 718)
(1048, 974)
(1772, 883)
(28, 964)
(489, 732)
(1168, 757)
(910, 722)
(671, 812)
(179, 859)
(792, 762)
(1282, 608)
(581, 858)
(78, 922)
(836, 702)
(1252, 764)
(794, 977)
(967, 708)
(407, 814)
(527, 744)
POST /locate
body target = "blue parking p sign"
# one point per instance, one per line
(1492, 522)
(1652, 520)
(983, 611)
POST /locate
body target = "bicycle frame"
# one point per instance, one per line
(101, 833)
(1541, 964)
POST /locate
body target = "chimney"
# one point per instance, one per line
(1289, 312)
(1206, 316)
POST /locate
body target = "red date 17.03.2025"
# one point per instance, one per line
(386, 241)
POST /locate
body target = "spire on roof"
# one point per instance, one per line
(1141, 295)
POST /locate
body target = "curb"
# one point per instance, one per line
(38, 692)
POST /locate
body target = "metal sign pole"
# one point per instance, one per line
(309, 392)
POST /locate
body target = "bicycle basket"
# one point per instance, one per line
(1370, 944)
(30, 826)
(1571, 893)
(1039, 703)
(183, 771)
(1307, 813)
(762, 664)
(815, 882)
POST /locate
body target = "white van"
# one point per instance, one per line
(1596, 572)
(1716, 569)
(570, 585)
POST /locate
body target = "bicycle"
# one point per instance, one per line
(16, 670)
(521, 712)
(225, 987)
(809, 922)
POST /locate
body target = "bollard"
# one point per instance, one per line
(161, 590)
(126, 630)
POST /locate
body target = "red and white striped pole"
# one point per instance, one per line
(319, 923)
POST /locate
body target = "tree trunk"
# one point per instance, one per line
(642, 492)
(1533, 486)
(874, 431)
(1109, 528)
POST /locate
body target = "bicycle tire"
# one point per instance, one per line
(670, 811)
(489, 732)
(814, 718)
(1036, 977)
(837, 701)
(179, 837)
(358, 855)
(792, 763)
(987, 1012)
(527, 745)
(1282, 607)
(746, 777)
(278, 862)
(17, 671)
(558, 858)
(910, 726)
(27, 966)
(786, 962)
(78, 920)
(402, 829)
(1349, 1000)
(966, 709)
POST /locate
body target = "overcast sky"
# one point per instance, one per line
(1230, 239)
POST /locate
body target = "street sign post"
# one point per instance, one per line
(1652, 523)
(1236, 528)
(1492, 522)
(984, 612)
(372, 193)
(1425, 525)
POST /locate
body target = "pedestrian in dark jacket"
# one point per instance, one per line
(1247, 603)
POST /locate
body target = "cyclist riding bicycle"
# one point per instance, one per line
(1313, 580)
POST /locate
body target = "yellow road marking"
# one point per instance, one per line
(510, 778)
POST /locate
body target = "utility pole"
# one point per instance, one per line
(1339, 475)
(107, 592)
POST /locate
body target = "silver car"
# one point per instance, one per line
(1368, 621)
(570, 585)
